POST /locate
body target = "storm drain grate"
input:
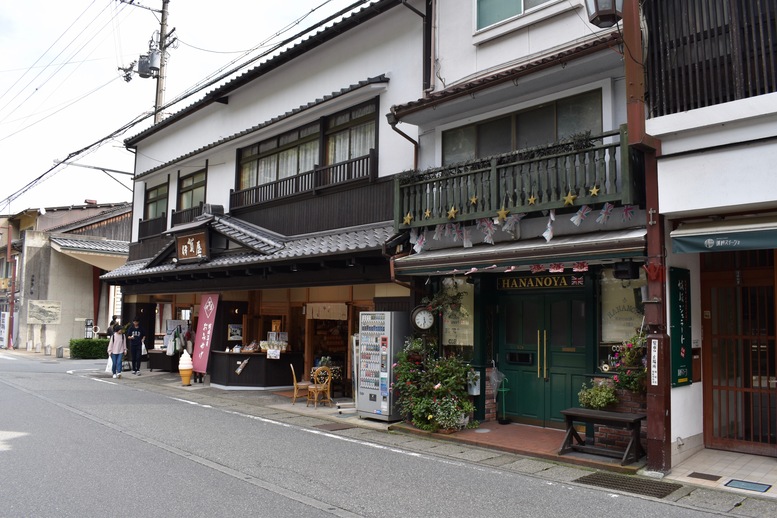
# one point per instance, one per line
(639, 486)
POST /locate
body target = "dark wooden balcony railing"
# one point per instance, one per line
(179, 217)
(319, 178)
(519, 182)
(153, 226)
(707, 52)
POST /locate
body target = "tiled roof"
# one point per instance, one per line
(349, 21)
(268, 248)
(90, 244)
(110, 212)
(508, 74)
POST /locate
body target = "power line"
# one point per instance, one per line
(198, 87)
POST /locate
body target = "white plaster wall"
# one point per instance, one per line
(687, 418)
(390, 44)
(463, 51)
(714, 159)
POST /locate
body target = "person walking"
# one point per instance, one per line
(113, 323)
(136, 336)
(117, 348)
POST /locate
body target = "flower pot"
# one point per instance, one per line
(473, 388)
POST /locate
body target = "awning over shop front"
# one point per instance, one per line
(725, 236)
(594, 248)
(105, 254)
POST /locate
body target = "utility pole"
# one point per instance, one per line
(157, 53)
(160, 79)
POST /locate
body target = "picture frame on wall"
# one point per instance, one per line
(235, 332)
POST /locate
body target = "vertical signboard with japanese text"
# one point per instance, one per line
(205, 322)
(680, 328)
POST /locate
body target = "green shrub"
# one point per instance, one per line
(89, 348)
(599, 395)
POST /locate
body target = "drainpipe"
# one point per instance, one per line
(659, 455)
(392, 120)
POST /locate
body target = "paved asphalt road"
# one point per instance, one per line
(82, 445)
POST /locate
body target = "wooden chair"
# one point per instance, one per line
(298, 385)
(321, 385)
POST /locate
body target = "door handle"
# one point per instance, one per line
(538, 353)
(545, 355)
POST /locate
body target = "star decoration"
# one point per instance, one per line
(473, 200)
(569, 199)
(407, 219)
(502, 213)
(532, 199)
(594, 191)
(452, 213)
(428, 213)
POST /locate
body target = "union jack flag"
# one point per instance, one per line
(556, 268)
(577, 281)
(580, 266)
(628, 212)
(604, 214)
(537, 268)
(580, 215)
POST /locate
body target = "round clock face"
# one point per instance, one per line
(423, 318)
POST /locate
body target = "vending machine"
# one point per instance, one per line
(381, 336)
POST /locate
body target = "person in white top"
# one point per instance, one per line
(117, 348)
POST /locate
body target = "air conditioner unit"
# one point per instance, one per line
(625, 270)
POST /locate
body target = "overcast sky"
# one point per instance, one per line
(61, 89)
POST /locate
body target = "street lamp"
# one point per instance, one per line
(604, 13)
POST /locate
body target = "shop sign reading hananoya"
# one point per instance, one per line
(537, 282)
(192, 247)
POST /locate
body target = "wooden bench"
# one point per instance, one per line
(631, 422)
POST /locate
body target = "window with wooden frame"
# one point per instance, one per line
(156, 201)
(348, 134)
(191, 190)
(351, 133)
(536, 126)
(282, 156)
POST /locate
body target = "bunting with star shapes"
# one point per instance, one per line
(628, 212)
(580, 215)
(512, 225)
(486, 225)
(548, 234)
(605, 213)
(418, 247)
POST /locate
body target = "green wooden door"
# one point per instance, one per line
(542, 353)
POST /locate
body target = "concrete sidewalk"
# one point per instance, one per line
(466, 446)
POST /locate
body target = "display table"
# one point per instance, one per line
(159, 360)
(258, 373)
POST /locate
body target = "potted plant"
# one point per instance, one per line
(432, 394)
(416, 348)
(600, 394)
(473, 382)
(630, 364)
(452, 413)
(447, 300)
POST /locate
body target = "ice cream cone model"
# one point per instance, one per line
(185, 369)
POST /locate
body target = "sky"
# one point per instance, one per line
(61, 90)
